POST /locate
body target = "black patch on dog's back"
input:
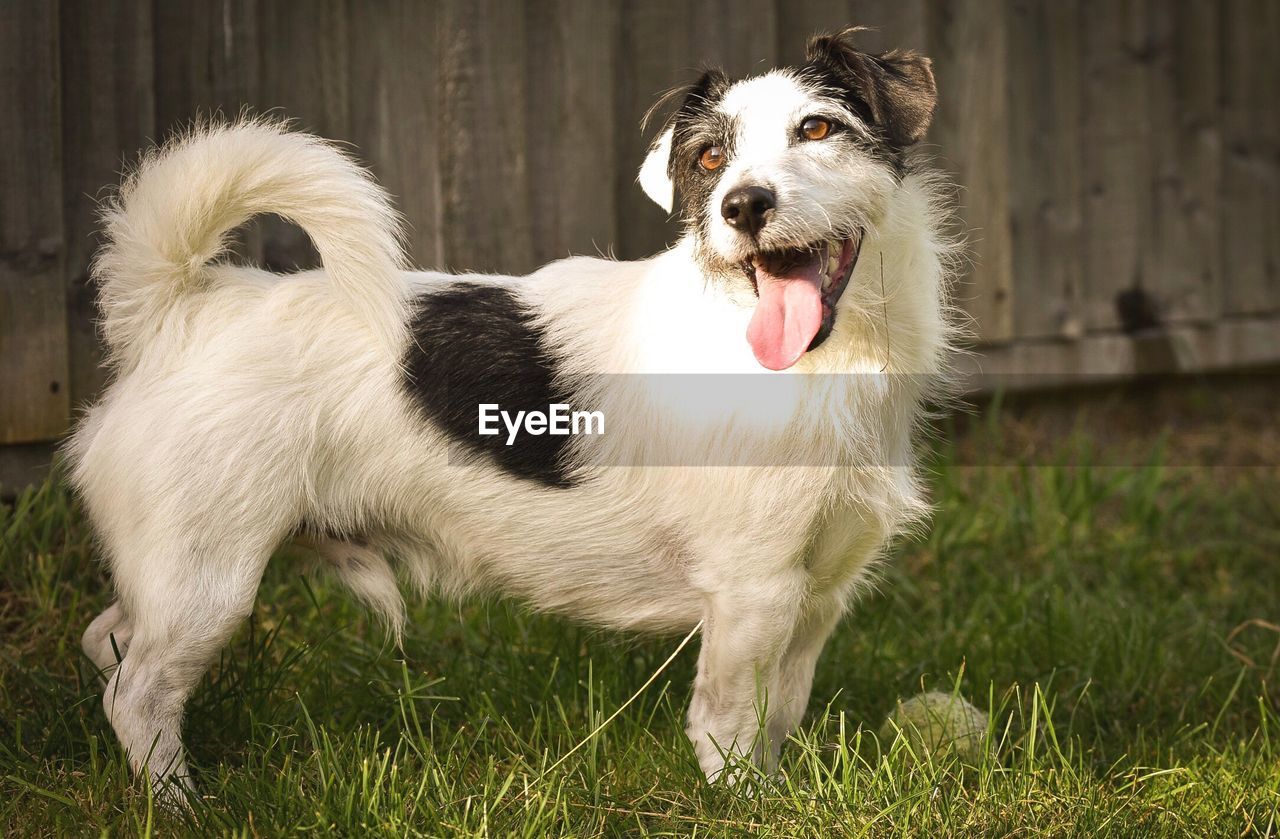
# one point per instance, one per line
(474, 343)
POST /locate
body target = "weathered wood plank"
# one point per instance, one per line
(108, 106)
(740, 36)
(892, 24)
(1251, 165)
(1184, 95)
(482, 136)
(799, 20)
(969, 50)
(34, 404)
(303, 75)
(395, 113)
(657, 57)
(207, 59)
(1045, 167)
(303, 64)
(571, 61)
(1119, 168)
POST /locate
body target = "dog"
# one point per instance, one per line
(339, 407)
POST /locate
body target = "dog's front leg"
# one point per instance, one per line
(745, 637)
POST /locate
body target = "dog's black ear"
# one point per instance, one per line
(655, 172)
(897, 87)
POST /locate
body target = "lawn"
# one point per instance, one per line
(1120, 622)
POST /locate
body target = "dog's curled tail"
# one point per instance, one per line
(171, 218)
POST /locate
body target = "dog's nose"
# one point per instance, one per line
(748, 208)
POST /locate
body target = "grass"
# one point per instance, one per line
(1119, 622)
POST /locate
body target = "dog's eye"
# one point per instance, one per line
(711, 158)
(815, 128)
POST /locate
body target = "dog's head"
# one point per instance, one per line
(777, 178)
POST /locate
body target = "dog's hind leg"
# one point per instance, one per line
(183, 610)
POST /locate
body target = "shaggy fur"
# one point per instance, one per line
(249, 409)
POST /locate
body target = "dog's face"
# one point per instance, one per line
(777, 178)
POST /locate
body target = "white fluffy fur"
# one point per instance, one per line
(247, 403)
(172, 217)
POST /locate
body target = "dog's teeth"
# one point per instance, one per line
(832, 265)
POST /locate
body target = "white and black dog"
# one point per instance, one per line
(340, 406)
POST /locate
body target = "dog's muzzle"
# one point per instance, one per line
(798, 289)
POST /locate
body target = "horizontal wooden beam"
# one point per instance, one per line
(1228, 344)
(23, 465)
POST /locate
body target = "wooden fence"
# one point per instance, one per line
(1120, 158)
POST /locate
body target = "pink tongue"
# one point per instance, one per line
(787, 316)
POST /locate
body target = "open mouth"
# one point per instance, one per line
(798, 289)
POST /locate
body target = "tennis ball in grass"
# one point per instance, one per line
(934, 722)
